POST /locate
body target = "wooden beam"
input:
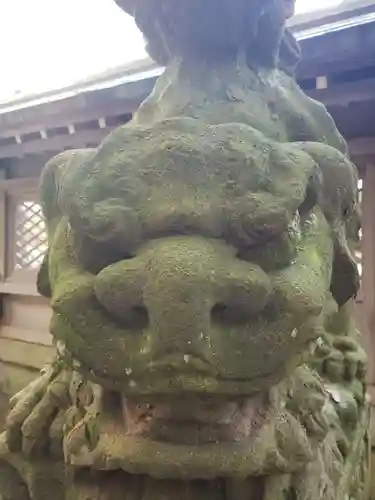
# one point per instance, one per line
(3, 229)
(348, 9)
(18, 288)
(335, 51)
(15, 377)
(345, 93)
(364, 146)
(86, 106)
(102, 122)
(19, 184)
(25, 354)
(321, 82)
(21, 334)
(334, 65)
(368, 276)
(58, 143)
(338, 51)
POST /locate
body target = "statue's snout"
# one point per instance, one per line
(178, 289)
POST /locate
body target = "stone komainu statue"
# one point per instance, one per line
(200, 276)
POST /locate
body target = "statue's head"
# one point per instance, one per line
(176, 28)
(195, 259)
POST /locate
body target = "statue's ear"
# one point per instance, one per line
(345, 279)
(42, 283)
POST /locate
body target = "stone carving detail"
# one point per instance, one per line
(201, 280)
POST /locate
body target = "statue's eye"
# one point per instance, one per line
(275, 254)
(94, 256)
(279, 251)
(105, 235)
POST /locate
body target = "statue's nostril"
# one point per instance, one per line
(222, 314)
(119, 290)
(219, 313)
(135, 318)
(139, 317)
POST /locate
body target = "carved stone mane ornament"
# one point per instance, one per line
(200, 276)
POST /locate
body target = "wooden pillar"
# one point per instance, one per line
(368, 276)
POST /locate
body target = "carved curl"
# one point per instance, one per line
(256, 26)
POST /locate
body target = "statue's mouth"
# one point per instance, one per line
(194, 420)
(190, 436)
(177, 374)
(167, 381)
(184, 364)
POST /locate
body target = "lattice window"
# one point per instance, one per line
(30, 236)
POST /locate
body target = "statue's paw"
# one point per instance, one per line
(83, 437)
(12, 485)
(333, 367)
(36, 411)
(82, 419)
(306, 400)
(354, 358)
(341, 359)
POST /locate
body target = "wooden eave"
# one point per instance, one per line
(338, 68)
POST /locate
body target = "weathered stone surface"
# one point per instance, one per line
(200, 274)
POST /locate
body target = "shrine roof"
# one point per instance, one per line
(338, 47)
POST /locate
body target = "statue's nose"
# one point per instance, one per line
(178, 289)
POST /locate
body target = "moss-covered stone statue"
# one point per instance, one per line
(201, 279)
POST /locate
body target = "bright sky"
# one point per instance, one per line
(46, 44)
